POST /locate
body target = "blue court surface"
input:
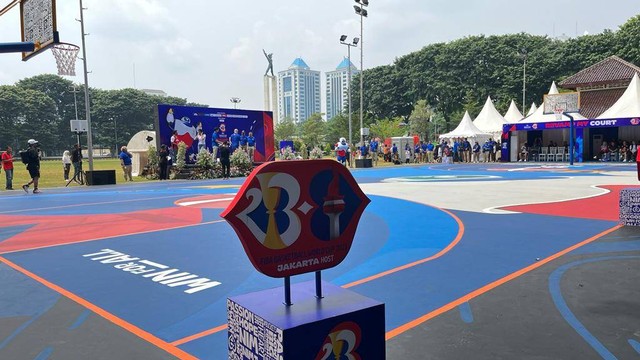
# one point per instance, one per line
(154, 263)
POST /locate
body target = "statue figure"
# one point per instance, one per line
(270, 60)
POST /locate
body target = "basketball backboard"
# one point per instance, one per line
(38, 25)
(563, 103)
(79, 126)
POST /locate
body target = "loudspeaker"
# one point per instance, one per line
(363, 163)
(101, 177)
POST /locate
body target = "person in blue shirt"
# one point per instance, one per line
(243, 141)
(364, 151)
(251, 145)
(430, 149)
(215, 143)
(235, 140)
(373, 149)
(456, 147)
(417, 150)
(125, 161)
(394, 154)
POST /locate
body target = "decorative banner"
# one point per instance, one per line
(295, 217)
(187, 120)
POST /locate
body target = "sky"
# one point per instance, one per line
(208, 51)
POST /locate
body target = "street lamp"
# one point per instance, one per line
(523, 54)
(349, 46)
(360, 10)
(235, 101)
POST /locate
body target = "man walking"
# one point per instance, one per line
(33, 166)
(7, 166)
(125, 161)
(76, 160)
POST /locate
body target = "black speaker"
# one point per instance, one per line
(363, 163)
(101, 177)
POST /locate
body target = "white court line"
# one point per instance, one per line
(89, 204)
(496, 211)
(191, 203)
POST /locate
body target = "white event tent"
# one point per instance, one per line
(532, 109)
(467, 130)
(489, 120)
(628, 105)
(513, 114)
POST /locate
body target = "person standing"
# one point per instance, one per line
(7, 166)
(214, 144)
(225, 160)
(163, 161)
(125, 161)
(251, 146)
(235, 140)
(202, 140)
(33, 166)
(373, 149)
(66, 164)
(76, 160)
(243, 141)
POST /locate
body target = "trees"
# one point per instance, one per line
(284, 129)
(627, 39)
(313, 130)
(386, 128)
(419, 119)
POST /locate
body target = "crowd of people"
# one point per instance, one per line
(447, 151)
(617, 150)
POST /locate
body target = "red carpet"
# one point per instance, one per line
(603, 207)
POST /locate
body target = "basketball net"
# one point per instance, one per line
(65, 55)
(558, 111)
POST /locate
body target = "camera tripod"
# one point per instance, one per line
(79, 177)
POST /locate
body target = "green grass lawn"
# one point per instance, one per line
(52, 173)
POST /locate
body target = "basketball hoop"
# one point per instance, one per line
(65, 55)
(558, 111)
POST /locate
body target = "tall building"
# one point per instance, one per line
(338, 88)
(298, 92)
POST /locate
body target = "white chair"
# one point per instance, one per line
(560, 154)
(552, 154)
(544, 152)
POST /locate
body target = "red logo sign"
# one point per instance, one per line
(295, 217)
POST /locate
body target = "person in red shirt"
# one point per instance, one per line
(7, 166)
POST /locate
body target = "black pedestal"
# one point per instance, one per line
(363, 163)
(101, 177)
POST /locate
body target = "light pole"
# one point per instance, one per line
(87, 102)
(115, 132)
(360, 10)
(75, 104)
(349, 46)
(235, 101)
(523, 55)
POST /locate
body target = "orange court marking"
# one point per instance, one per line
(171, 349)
(410, 325)
(455, 242)
(451, 245)
(199, 335)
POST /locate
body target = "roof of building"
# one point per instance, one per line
(628, 105)
(610, 70)
(344, 64)
(594, 103)
(298, 63)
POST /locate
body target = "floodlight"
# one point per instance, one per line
(357, 9)
(356, 40)
(364, 13)
(365, 2)
(343, 38)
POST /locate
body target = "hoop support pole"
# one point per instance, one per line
(17, 47)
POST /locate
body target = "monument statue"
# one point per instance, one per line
(270, 60)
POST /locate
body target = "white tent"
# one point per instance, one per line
(532, 109)
(138, 147)
(629, 103)
(466, 129)
(513, 114)
(489, 120)
(539, 116)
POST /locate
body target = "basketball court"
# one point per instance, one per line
(481, 261)
(472, 261)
